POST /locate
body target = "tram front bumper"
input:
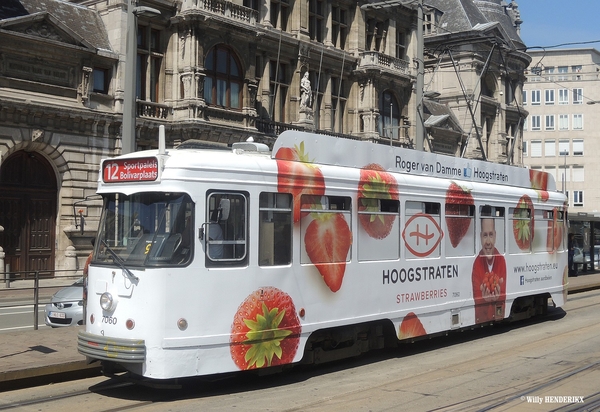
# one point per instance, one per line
(111, 349)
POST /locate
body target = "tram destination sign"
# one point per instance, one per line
(143, 169)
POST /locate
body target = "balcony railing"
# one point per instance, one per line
(376, 60)
(151, 109)
(227, 9)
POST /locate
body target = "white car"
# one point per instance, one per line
(66, 306)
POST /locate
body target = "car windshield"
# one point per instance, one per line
(145, 229)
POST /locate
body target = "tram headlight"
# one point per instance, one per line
(107, 302)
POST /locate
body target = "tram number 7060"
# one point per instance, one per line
(109, 319)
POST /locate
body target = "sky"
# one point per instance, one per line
(554, 22)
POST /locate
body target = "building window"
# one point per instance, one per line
(549, 96)
(563, 122)
(550, 148)
(339, 29)
(101, 79)
(578, 174)
(536, 148)
(577, 197)
(278, 83)
(563, 96)
(536, 97)
(149, 61)
(525, 148)
(316, 19)
(577, 96)
(577, 122)
(389, 121)
(280, 11)
(563, 147)
(376, 30)
(549, 122)
(430, 20)
(252, 4)
(562, 70)
(577, 71)
(524, 97)
(536, 123)
(577, 147)
(549, 71)
(400, 44)
(223, 81)
(338, 104)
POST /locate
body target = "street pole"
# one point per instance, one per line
(128, 129)
(129, 95)
(420, 129)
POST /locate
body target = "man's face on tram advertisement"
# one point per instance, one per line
(488, 237)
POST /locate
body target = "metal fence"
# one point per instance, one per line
(23, 289)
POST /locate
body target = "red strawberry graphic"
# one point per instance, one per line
(539, 182)
(298, 176)
(375, 183)
(265, 330)
(523, 228)
(327, 241)
(411, 327)
(458, 202)
(555, 233)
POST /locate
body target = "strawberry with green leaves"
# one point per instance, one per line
(523, 224)
(327, 241)
(296, 175)
(411, 327)
(459, 201)
(539, 182)
(265, 330)
(376, 184)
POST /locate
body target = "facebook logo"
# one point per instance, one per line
(522, 280)
(467, 171)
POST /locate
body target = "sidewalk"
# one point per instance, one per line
(28, 354)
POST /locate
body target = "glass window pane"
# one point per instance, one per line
(221, 92)
(235, 95)
(221, 61)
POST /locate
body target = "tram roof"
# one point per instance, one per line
(330, 150)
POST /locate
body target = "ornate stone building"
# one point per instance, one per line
(476, 64)
(223, 71)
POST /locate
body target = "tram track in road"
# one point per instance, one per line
(418, 371)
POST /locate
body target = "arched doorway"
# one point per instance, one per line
(28, 192)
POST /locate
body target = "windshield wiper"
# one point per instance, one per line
(132, 278)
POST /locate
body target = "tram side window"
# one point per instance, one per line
(521, 222)
(225, 229)
(460, 229)
(275, 229)
(542, 230)
(422, 232)
(552, 230)
(379, 229)
(326, 219)
(491, 230)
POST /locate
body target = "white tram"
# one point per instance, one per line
(212, 260)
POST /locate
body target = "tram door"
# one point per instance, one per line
(27, 212)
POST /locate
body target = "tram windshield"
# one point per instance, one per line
(146, 229)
